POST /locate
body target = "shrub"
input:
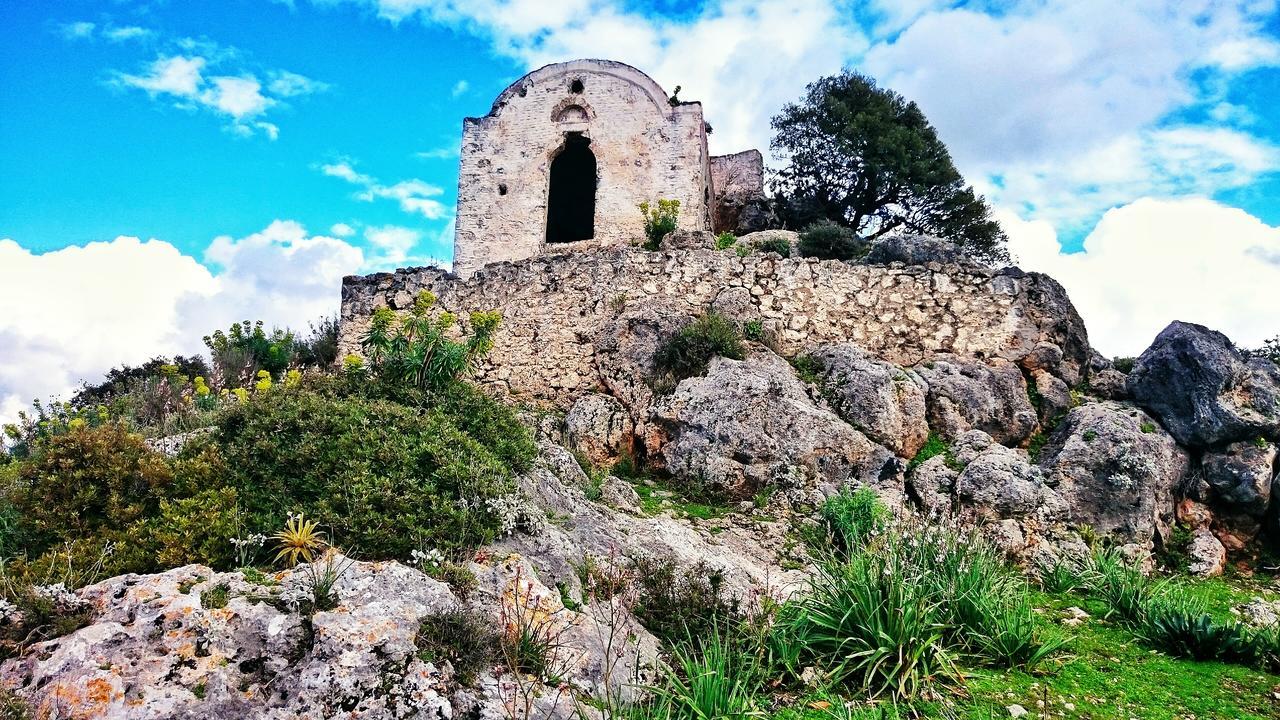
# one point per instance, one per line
(416, 350)
(1123, 364)
(676, 604)
(851, 517)
(753, 330)
(725, 240)
(246, 348)
(118, 380)
(827, 240)
(463, 638)
(197, 529)
(808, 368)
(320, 348)
(659, 220)
(775, 244)
(1126, 592)
(382, 476)
(689, 351)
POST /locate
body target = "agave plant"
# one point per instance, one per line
(300, 538)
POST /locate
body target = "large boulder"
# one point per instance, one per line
(600, 428)
(1204, 390)
(1117, 470)
(625, 346)
(914, 250)
(884, 401)
(966, 394)
(1240, 476)
(750, 424)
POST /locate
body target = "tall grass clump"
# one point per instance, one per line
(896, 603)
(715, 678)
(689, 351)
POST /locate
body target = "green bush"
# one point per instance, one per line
(827, 240)
(868, 626)
(851, 517)
(675, 604)
(660, 219)
(725, 240)
(245, 349)
(417, 350)
(383, 476)
(753, 330)
(775, 244)
(689, 351)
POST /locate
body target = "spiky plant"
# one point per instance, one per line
(300, 539)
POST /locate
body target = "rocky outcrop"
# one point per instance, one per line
(193, 643)
(750, 424)
(1117, 472)
(969, 395)
(1204, 390)
(1240, 476)
(884, 401)
(600, 428)
(914, 250)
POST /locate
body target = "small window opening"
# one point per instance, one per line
(575, 87)
(502, 188)
(571, 198)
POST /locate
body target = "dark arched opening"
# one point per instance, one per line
(571, 199)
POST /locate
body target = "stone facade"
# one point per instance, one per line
(555, 306)
(738, 179)
(640, 145)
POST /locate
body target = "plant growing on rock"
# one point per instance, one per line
(660, 219)
(300, 539)
(417, 349)
(689, 351)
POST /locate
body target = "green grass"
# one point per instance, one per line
(656, 498)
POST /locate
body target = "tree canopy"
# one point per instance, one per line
(868, 158)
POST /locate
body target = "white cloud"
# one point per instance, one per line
(127, 32)
(78, 30)
(342, 230)
(1154, 261)
(440, 153)
(125, 300)
(413, 196)
(459, 88)
(240, 98)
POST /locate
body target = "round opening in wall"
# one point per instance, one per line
(502, 188)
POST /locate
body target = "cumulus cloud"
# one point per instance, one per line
(342, 230)
(78, 318)
(414, 196)
(188, 78)
(1153, 261)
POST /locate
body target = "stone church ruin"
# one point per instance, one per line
(568, 151)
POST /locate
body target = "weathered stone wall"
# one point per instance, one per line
(554, 306)
(736, 180)
(644, 147)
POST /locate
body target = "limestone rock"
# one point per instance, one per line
(599, 427)
(1117, 471)
(1109, 384)
(1208, 556)
(688, 240)
(969, 395)
(884, 401)
(1002, 484)
(748, 553)
(750, 424)
(914, 250)
(625, 347)
(753, 239)
(1241, 476)
(1205, 391)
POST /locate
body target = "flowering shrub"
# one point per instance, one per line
(660, 219)
(417, 349)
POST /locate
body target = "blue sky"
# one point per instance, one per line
(174, 166)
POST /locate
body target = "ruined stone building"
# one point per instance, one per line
(568, 152)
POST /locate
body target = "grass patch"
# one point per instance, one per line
(932, 448)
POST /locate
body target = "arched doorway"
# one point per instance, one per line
(571, 199)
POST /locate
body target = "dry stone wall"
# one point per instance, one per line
(554, 306)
